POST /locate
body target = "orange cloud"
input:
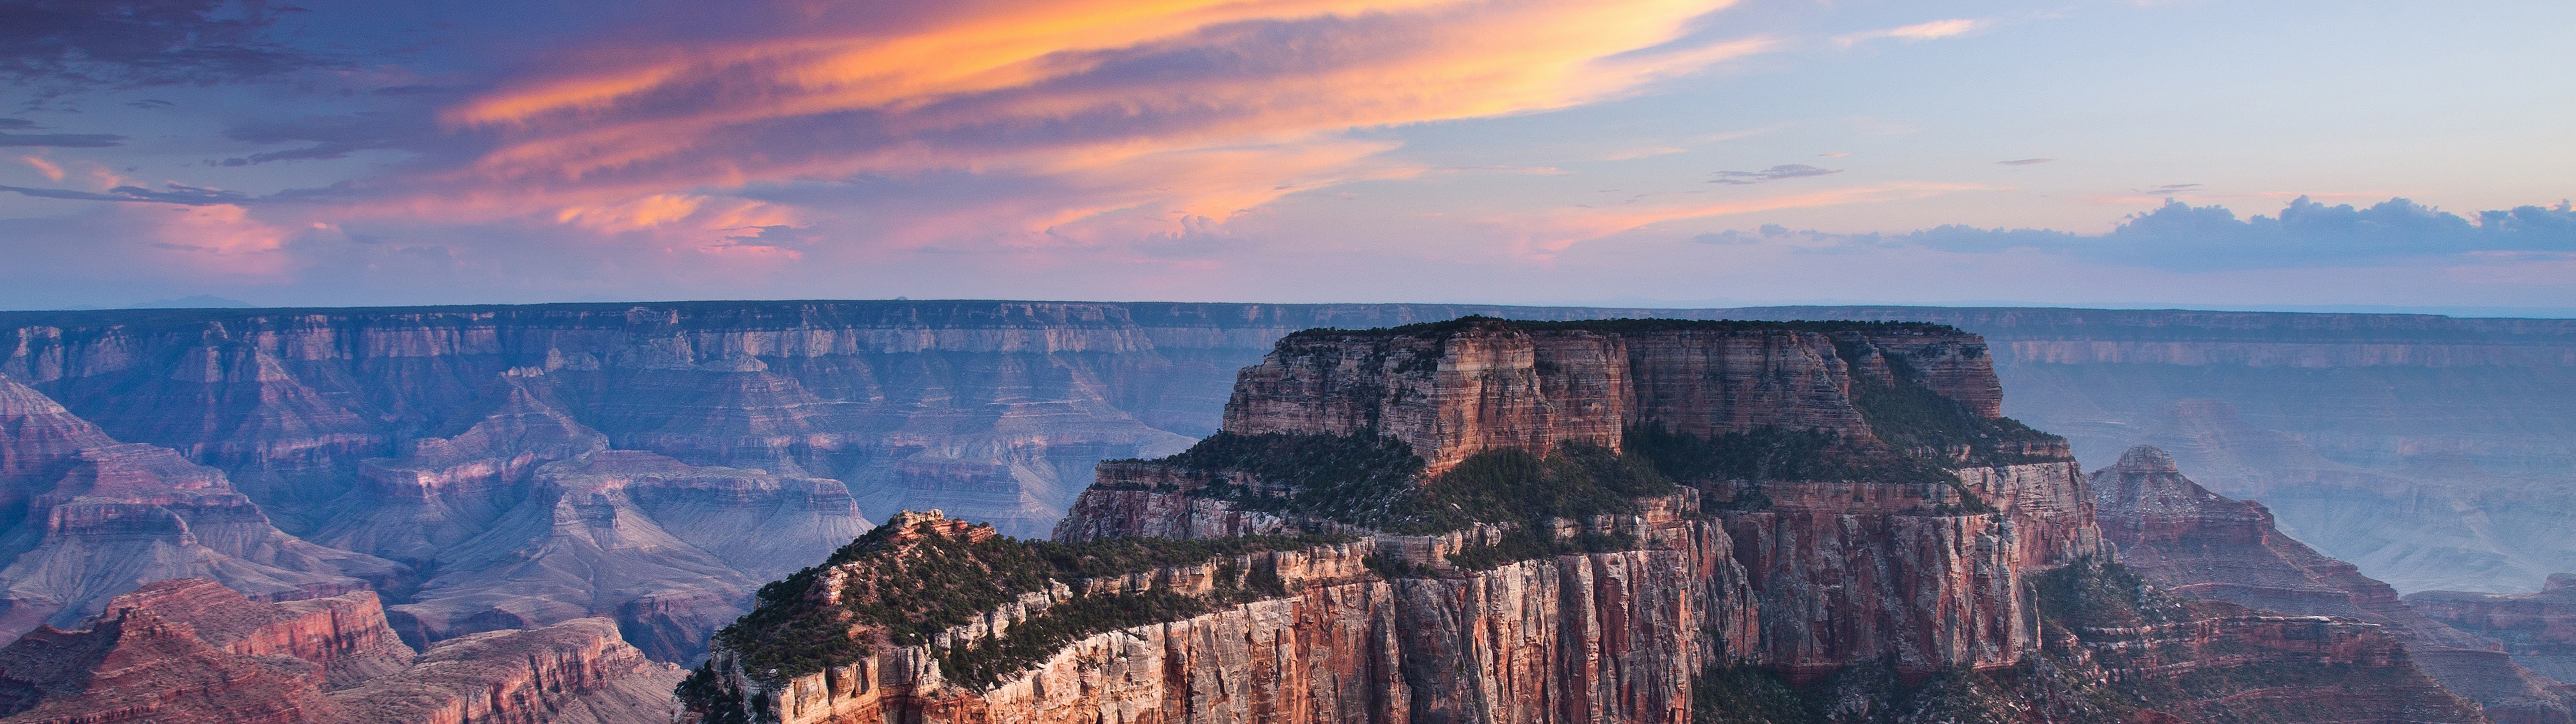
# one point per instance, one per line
(216, 241)
(1194, 107)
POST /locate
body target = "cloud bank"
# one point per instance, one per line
(2181, 236)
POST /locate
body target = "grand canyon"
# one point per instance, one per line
(1184, 512)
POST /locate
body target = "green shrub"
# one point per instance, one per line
(2095, 592)
(1363, 480)
(912, 592)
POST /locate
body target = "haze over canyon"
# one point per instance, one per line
(634, 473)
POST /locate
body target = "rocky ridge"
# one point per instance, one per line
(191, 650)
(96, 518)
(2193, 542)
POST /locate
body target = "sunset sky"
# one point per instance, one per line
(1629, 152)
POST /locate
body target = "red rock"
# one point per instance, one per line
(188, 651)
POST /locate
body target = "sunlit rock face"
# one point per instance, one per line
(191, 650)
(2194, 542)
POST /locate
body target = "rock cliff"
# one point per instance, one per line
(329, 422)
(192, 650)
(2538, 629)
(1573, 559)
(2193, 542)
(97, 519)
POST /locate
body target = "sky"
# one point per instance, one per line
(2211, 153)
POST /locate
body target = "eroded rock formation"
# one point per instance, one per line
(2193, 542)
(2539, 630)
(191, 650)
(1902, 534)
(97, 519)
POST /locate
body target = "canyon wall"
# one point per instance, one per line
(2538, 629)
(2433, 452)
(2193, 542)
(997, 409)
(1923, 575)
(191, 650)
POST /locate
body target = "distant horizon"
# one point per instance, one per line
(1678, 306)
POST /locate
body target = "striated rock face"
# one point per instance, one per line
(670, 550)
(115, 516)
(344, 635)
(1456, 389)
(528, 519)
(39, 441)
(1922, 574)
(2538, 629)
(1571, 638)
(576, 672)
(191, 650)
(2190, 541)
(2212, 661)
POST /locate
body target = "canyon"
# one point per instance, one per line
(1846, 512)
(494, 468)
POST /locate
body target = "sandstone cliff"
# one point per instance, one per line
(1899, 532)
(191, 650)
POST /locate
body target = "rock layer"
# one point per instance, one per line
(191, 650)
(114, 516)
(1456, 389)
(2539, 630)
(2194, 542)
(1924, 575)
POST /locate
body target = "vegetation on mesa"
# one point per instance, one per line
(1376, 481)
(910, 579)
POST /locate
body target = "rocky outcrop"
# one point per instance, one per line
(191, 650)
(576, 672)
(344, 635)
(118, 515)
(2194, 542)
(1922, 572)
(2211, 661)
(1572, 638)
(39, 441)
(1454, 389)
(2538, 629)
